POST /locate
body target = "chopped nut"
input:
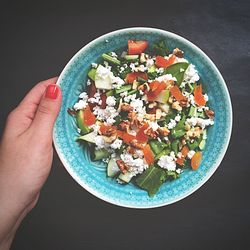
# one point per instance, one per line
(126, 107)
(170, 100)
(158, 114)
(150, 117)
(135, 85)
(163, 131)
(210, 113)
(177, 52)
(124, 126)
(144, 87)
(194, 132)
(110, 131)
(151, 133)
(152, 105)
(143, 57)
(176, 105)
(134, 143)
(184, 102)
(122, 166)
(183, 142)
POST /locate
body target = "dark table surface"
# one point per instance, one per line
(37, 40)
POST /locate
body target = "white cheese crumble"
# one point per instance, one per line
(190, 154)
(113, 54)
(116, 144)
(81, 104)
(154, 125)
(171, 124)
(177, 118)
(190, 75)
(123, 94)
(111, 101)
(107, 115)
(150, 62)
(193, 121)
(136, 166)
(88, 82)
(167, 162)
(159, 70)
(94, 65)
(100, 143)
(165, 78)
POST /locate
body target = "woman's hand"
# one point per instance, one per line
(26, 155)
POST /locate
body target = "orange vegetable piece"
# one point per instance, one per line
(175, 91)
(127, 137)
(161, 62)
(141, 136)
(156, 88)
(198, 96)
(89, 117)
(136, 47)
(130, 77)
(148, 155)
(184, 152)
(104, 128)
(196, 160)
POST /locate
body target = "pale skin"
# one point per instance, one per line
(26, 155)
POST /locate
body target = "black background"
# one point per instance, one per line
(38, 39)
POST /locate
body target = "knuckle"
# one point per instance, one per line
(44, 109)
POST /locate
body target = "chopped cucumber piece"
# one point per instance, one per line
(80, 122)
(131, 58)
(132, 91)
(101, 82)
(192, 111)
(152, 69)
(125, 177)
(191, 88)
(123, 89)
(112, 169)
(195, 144)
(90, 137)
(201, 114)
(111, 59)
(204, 134)
(141, 80)
(92, 74)
(110, 93)
(202, 144)
(99, 154)
(163, 96)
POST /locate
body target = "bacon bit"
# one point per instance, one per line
(178, 52)
(89, 117)
(71, 112)
(148, 155)
(107, 130)
(163, 131)
(124, 126)
(176, 93)
(176, 105)
(126, 107)
(151, 133)
(210, 113)
(198, 96)
(122, 166)
(141, 136)
(134, 143)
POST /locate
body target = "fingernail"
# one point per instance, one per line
(52, 91)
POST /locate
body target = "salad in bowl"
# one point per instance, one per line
(144, 113)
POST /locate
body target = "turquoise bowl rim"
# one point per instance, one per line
(215, 164)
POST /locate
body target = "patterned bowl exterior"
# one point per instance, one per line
(92, 175)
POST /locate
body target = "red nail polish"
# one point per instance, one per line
(52, 91)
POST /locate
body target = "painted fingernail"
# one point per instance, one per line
(52, 91)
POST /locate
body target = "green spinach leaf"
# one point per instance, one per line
(177, 70)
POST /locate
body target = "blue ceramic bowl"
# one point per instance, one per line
(92, 175)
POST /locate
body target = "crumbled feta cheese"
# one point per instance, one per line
(81, 104)
(129, 98)
(141, 92)
(117, 82)
(150, 62)
(123, 94)
(171, 124)
(159, 70)
(100, 143)
(88, 82)
(159, 139)
(94, 65)
(172, 154)
(111, 101)
(79, 130)
(116, 144)
(121, 69)
(137, 104)
(190, 154)
(166, 138)
(107, 115)
(83, 96)
(132, 66)
(206, 97)
(154, 125)
(113, 54)
(193, 121)
(179, 155)
(141, 68)
(182, 70)
(167, 162)
(136, 166)
(191, 75)
(178, 171)
(177, 118)
(165, 78)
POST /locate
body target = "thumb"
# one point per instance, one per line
(47, 111)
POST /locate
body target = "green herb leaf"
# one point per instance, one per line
(177, 70)
(161, 48)
(151, 179)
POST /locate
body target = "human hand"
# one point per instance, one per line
(26, 155)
